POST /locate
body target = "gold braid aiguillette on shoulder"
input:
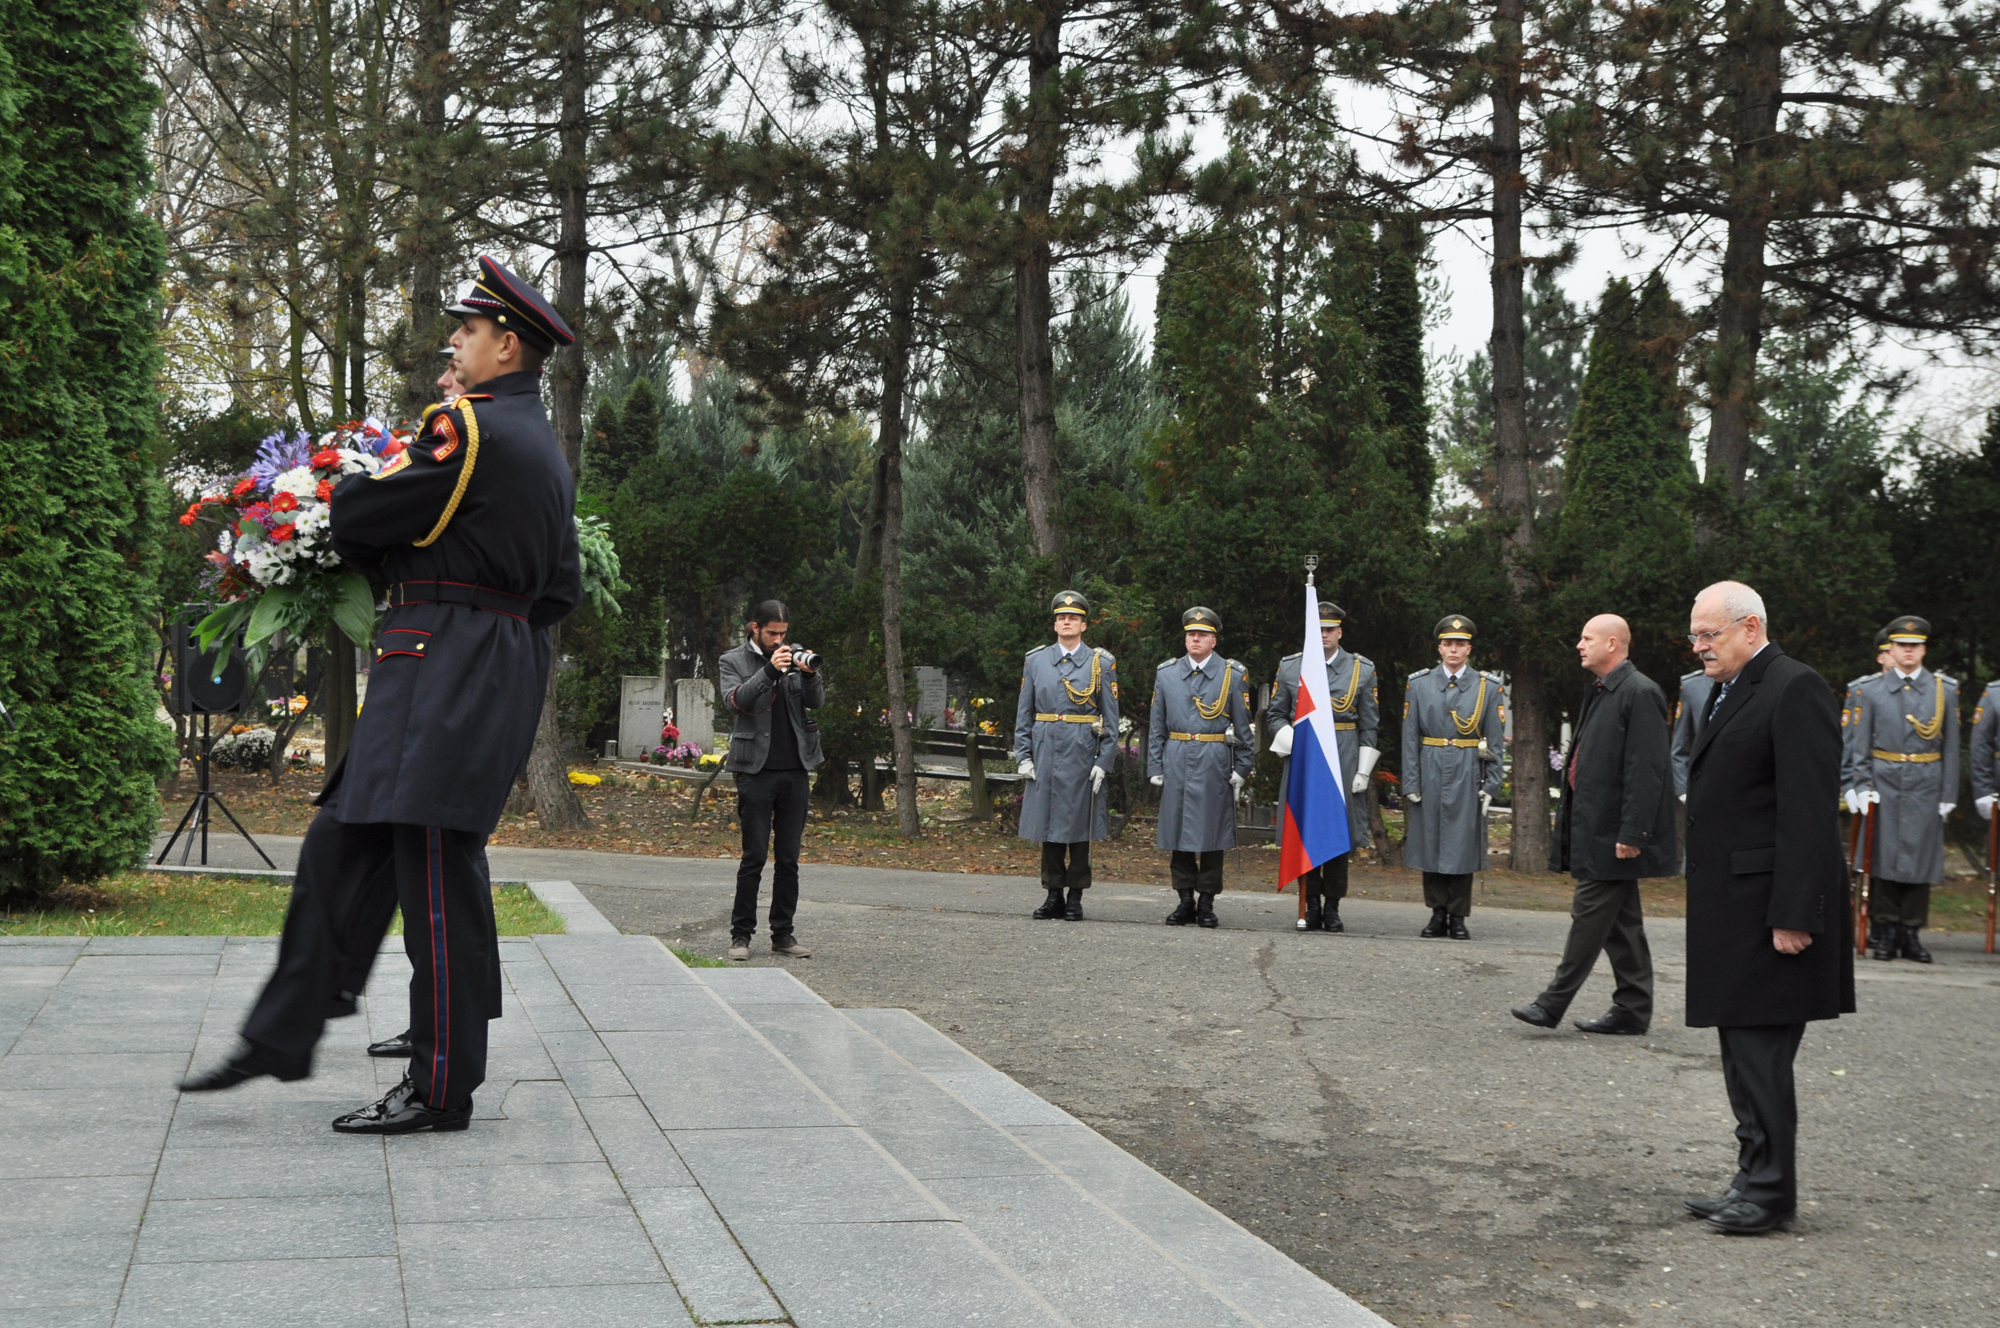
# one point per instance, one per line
(464, 476)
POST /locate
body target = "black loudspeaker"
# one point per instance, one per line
(199, 687)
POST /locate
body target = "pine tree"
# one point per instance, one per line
(80, 272)
(1396, 326)
(1624, 539)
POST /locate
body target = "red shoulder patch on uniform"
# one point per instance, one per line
(445, 429)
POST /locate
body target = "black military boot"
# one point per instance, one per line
(1436, 926)
(1314, 914)
(1204, 913)
(1887, 941)
(1455, 928)
(1052, 907)
(1073, 909)
(1912, 948)
(1183, 915)
(1331, 919)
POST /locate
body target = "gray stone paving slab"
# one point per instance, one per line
(269, 1293)
(823, 1175)
(644, 1305)
(654, 1145)
(713, 1274)
(332, 1226)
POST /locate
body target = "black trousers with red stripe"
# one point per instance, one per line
(351, 879)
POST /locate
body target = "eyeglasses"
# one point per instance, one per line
(1700, 639)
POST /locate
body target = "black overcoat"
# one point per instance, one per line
(455, 691)
(1763, 851)
(1624, 790)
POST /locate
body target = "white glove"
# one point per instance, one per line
(1158, 780)
(1985, 806)
(1027, 769)
(1365, 767)
(1485, 803)
(1235, 782)
(1853, 800)
(1096, 778)
(1281, 745)
(1944, 809)
(1684, 797)
(1413, 797)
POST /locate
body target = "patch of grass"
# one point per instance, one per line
(695, 959)
(158, 904)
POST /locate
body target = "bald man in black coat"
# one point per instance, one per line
(1770, 944)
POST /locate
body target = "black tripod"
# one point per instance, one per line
(198, 813)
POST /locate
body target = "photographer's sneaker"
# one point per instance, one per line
(739, 948)
(789, 945)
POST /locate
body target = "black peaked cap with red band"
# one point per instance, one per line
(516, 306)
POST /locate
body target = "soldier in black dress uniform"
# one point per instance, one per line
(472, 527)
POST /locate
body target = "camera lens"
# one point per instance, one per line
(805, 659)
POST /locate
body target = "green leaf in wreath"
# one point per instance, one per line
(273, 609)
(354, 608)
(221, 625)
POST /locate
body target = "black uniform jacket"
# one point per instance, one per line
(1624, 790)
(455, 691)
(1763, 851)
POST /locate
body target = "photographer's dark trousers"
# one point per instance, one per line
(770, 801)
(351, 878)
(1073, 875)
(1322, 888)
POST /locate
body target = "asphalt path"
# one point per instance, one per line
(1366, 1103)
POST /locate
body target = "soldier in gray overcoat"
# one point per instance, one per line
(1350, 681)
(1986, 750)
(1693, 700)
(1065, 736)
(1198, 753)
(1452, 729)
(1901, 756)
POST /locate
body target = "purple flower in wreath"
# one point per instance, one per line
(278, 454)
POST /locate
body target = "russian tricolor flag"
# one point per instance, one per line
(1315, 828)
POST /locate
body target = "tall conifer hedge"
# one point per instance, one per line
(80, 271)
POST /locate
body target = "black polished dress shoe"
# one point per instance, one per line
(1052, 907)
(1533, 1013)
(402, 1112)
(1912, 948)
(1204, 912)
(1436, 926)
(1073, 906)
(1709, 1207)
(398, 1045)
(1744, 1218)
(253, 1062)
(1455, 928)
(1331, 921)
(1613, 1020)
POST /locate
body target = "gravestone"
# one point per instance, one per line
(694, 711)
(641, 703)
(932, 693)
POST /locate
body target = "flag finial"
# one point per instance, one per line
(1312, 565)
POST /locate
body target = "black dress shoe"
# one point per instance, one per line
(1455, 928)
(253, 1062)
(1912, 948)
(1613, 1020)
(1204, 913)
(1073, 907)
(1183, 915)
(1744, 1218)
(1052, 907)
(1533, 1013)
(1332, 921)
(398, 1045)
(402, 1112)
(1436, 926)
(1709, 1207)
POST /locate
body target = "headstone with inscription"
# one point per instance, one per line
(694, 711)
(642, 703)
(931, 697)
